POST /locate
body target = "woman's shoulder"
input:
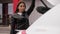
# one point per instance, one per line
(15, 15)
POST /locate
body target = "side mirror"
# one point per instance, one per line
(42, 9)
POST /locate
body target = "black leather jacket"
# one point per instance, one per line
(20, 22)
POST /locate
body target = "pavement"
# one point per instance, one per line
(4, 29)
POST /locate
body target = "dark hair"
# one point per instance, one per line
(17, 10)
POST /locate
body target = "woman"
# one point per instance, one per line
(20, 19)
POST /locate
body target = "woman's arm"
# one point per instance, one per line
(12, 26)
(31, 7)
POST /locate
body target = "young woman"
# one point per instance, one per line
(20, 20)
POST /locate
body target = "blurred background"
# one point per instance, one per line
(6, 10)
